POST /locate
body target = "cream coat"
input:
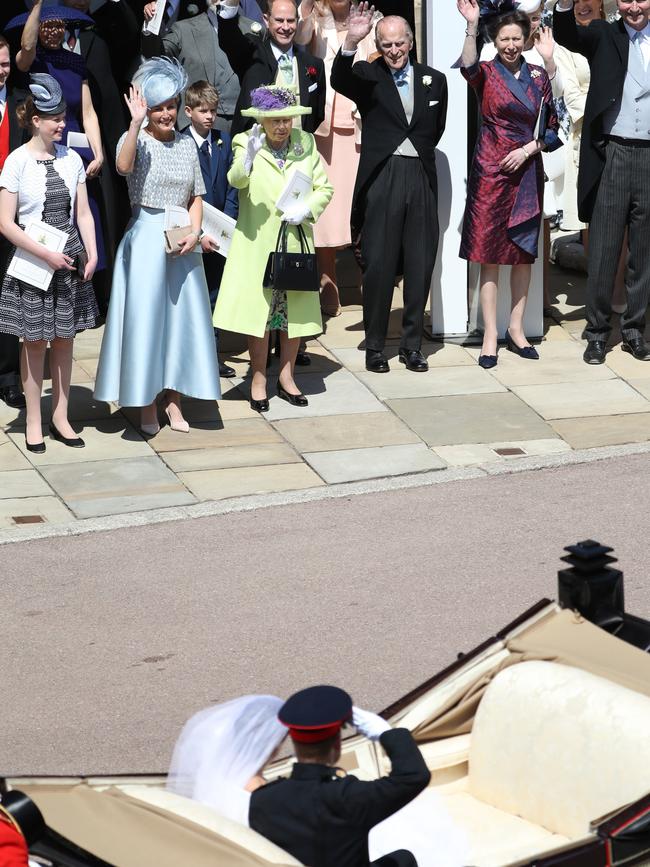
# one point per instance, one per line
(576, 77)
(243, 304)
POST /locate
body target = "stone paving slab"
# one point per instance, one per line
(106, 439)
(434, 383)
(437, 354)
(351, 465)
(478, 453)
(11, 458)
(47, 510)
(207, 435)
(23, 483)
(471, 418)
(579, 399)
(597, 431)
(361, 430)
(112, 487)
(244, 481)
(230, 456)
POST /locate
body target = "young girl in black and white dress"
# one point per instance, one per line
(45, 181)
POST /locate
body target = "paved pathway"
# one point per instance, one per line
(358, 425)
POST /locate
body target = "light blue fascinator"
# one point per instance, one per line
(46, 93)
(160, 79)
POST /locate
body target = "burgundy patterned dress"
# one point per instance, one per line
(504, 211)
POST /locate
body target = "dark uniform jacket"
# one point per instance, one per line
(384, 123)
(323, 819)
(263, 70)
(606, 46)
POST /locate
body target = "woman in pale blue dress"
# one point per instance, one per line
(159, 335)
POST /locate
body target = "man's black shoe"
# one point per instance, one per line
(595, 352)
(414, 360)
(637, 347)
(376, 362)
(13, 397)
(226, 372)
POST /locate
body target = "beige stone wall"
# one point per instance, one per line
(418, 31)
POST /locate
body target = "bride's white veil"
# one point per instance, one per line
(221, 748)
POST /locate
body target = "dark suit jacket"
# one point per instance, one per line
(606, 46)
(118, 26)
(17, 135)
(263, 70)
(384, 123)
(219, 192)
(323, 819)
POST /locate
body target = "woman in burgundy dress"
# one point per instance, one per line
(506, 184)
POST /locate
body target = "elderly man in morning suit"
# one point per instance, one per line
(206, 45)
(614, 174)
(403, 109)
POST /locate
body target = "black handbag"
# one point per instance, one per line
(291, 272)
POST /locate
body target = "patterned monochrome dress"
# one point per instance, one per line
(46, 192)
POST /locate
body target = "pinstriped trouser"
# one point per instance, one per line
(623, 200)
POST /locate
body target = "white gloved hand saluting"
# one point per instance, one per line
(369, 724)
(296, 216)
(254, 145)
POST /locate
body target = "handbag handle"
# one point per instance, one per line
(281, 243)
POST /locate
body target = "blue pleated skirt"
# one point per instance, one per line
(159, 332)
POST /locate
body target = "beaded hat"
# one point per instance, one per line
(274, 101)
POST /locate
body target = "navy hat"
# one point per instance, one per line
(52, 13)
(316, 713)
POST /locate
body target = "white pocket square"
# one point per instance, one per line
(312, 87)
(433, 102)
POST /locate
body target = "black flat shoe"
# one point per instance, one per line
(595, 352)
(13, 397)
(376, 362)
(226, 372)
(37, 448)
(637, 347)
(414, 360)
(522, 351)
(303, 360)
(260, 405)
(487, 361)
(293, 399)
(73, 442)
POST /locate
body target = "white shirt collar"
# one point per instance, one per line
(278, 52)
(634, 33)
(404, 72)
(200, 139)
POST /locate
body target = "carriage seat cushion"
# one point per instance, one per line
(558, 746)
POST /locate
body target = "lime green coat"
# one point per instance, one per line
(243, 304)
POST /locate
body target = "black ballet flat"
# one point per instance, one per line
(487, 361)
(522, 351)
(260, 405)
(293, 399)
(72, 442)
(36, 448)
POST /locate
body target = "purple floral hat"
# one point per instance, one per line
(274, 101)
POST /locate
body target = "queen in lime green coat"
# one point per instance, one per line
(263, 162)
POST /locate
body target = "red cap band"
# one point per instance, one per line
(314, 735)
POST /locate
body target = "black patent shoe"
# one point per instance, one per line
(595, 352)
(13, 397)
(376, 362)
(226, 371)
(293, 399)
(637, 347)
(414, 360)
(36, 448)
(487, 361)
(260, 405)
(73, 442)
(522, 351)
(303, 360)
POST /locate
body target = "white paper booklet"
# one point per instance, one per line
(31, 269)
(78, 140)
(176, 217)
(298, 187)
(219, 226)
(154, 25)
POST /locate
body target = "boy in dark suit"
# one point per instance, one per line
(215, 157)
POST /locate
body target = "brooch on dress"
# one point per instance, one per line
(535, 73)
(298, 149)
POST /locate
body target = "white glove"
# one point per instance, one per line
(254, 145)
(369, 724)
(296, 216)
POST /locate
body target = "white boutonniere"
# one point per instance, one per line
(426, 80)
(535, 73)
(256, 27)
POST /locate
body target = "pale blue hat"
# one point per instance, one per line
(160, 79)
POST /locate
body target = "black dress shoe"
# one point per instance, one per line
(13, 397)
(303, 360)
(637, 347)
(37, 448)
(260, 405)
(73, 442)
(487, 361)
(414, 360)
(376, 362)
(595, 352)
(293, 399)
(522, 351)
(226, 371)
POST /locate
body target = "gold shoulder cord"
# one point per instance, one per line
(4, 813)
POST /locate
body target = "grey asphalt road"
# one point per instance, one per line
(111, 640)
